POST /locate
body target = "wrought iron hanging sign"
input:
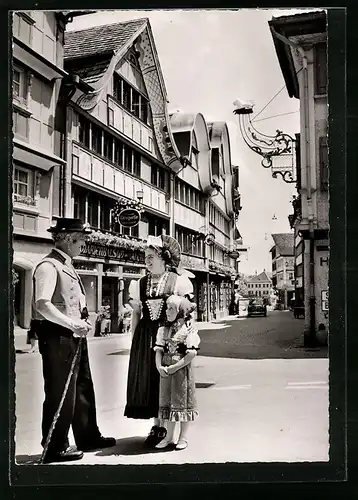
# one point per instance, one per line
(277, 152)
(127, 213)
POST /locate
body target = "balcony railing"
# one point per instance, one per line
(123, 121)
(93, 168)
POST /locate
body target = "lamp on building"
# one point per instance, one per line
(277, 151)
(140, 195)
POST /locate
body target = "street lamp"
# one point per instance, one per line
(140, 195)
(277, 151)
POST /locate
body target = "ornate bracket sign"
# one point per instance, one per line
(277, 152)
(129, 217)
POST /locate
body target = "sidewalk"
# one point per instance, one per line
(249, 411)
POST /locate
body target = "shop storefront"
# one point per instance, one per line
(220, 290)
(106, 271)
(196, 265)
(25, 257)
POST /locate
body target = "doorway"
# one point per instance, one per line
(110, 297)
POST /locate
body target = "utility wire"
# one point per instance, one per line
(274, 116)
(263, 109)
(277, 93)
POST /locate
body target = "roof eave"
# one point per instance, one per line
(300, 24)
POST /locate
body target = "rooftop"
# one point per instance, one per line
(260, 278)
(105, 39)
(291, 26)
(284, 243)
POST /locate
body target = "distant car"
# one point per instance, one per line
(257, 307)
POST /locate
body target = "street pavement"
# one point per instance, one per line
(262, 397)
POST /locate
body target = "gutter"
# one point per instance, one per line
(312, 299)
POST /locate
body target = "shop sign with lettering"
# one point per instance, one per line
(115, 253)
(129, 217)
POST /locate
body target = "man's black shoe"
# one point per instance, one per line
(99, 443)
(69, 454)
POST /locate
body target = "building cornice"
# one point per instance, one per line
(36, 62)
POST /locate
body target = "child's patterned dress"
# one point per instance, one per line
(177, 399)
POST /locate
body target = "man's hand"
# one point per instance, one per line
(80, 328)
(163, 371)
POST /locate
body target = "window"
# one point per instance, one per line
(127, 159)
(135, 105)
(108, 146)
(79, 204)
(126, 99)
(136, 164)
(156, 226)
(144, 111)
(84, 131)
(323, 162)
(20, 123)
(117, 87)
(19, 85)
(96, 139)
(23, 185)
(118, 153)
(130, 231)
(75, 164)
(159, 177)
(320, 58)
(110, 117)
(188, 195)
(189, 241)
(106, 207)
(150, 144)
(92, 214)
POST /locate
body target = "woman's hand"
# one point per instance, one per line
(171, 369)
(163, 371)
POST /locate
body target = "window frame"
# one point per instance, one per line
(320, 69)
(30, 185)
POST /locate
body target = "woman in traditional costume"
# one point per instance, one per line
(162, 259)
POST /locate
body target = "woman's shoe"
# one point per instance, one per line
(181, 444)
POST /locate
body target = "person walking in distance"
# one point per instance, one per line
(59, 303)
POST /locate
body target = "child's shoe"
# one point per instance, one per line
(164, 443)
(181, 444)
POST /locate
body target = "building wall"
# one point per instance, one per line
(34, 107)
(318, 115)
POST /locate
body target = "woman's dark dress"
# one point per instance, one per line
(143, 376)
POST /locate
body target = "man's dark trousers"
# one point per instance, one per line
(57, 347)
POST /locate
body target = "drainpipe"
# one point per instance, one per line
(310, 339)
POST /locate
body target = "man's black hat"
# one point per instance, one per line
(67, 225)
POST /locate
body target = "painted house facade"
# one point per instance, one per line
(301, 47)
(37, 157)
(122, 143)
(259, 286)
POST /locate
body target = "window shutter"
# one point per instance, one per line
(320, 68)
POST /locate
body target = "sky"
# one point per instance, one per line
(209, 58)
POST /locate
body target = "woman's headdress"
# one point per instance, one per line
(168, 248)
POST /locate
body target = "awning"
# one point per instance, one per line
(35, 61)
(24, 153)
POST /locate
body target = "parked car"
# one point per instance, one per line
(257, 307)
